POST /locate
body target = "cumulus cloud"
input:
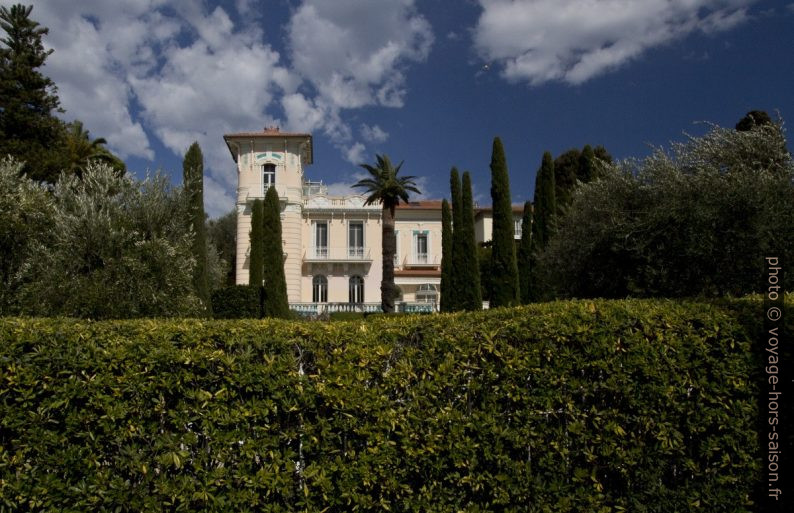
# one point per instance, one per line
(353, 51)
(353, 54)
(574, 40)
(145, 73)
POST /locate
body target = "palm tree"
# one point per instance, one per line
(80, 149)
(386, 187)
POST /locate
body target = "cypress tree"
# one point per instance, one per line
(545, 202)
(456, 272)
(470, 293)
(257, 244)
(446, 257)
(504, 271)
(525, 259)
(193, 178)
(276, 304)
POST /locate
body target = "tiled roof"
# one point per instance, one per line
(517, 209)
(421, 205)
(268, 132)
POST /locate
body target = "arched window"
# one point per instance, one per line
(268, 177)
(356, 289)
(319, 289)
(427, 293)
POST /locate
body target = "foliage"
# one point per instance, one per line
(545, 204)
(447, 296)
(525, 256)
(504, 270)
(222, 234)
(114, 248)
(193, 178)
(469, 293)
(276, 304)
(753, 119)
(26, 215)
(484, 261)
(238, 302)
(643, 406)
(28, 99)
(257, 255)
(566, 172)
(78, 150)
(457, 273)
(384, 186)
(574, 167)
(695, 221)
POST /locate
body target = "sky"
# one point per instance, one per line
(427, 82)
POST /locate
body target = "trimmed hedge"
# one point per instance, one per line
(640, 406)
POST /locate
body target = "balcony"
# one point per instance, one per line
(421, 261)
(284, 192)
(337, 254)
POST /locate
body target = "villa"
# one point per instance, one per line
(332, 244)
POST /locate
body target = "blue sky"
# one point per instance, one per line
(430, 82)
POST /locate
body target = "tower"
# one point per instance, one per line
(271, 158)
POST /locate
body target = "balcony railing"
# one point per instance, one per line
(252, 193)
(337, 254)
(320, 309)
(421, 260)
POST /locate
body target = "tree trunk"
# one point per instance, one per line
(389, 247)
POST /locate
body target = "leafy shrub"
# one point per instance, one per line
(695, 221)
(642, 406)
(346, 316)
(108, 247)
(237, 302)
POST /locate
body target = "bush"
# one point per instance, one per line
(238, 302)
(695, 221)
(642, 406)
(346, 316)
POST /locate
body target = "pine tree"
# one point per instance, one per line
(256, 266)
(525, 258)
(28, 99)
(456, 272)
(470, 293)
(276, 304)
(447, 293)
(545, 202)
(193, 178)
(504, 285)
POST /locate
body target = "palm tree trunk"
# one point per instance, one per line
(389, 247)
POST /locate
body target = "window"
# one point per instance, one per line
(427, 293)
(356, 289)
(517, 227)
(268, 177)
(320, 243)
(355, 239)
(420, 247)
(320, 289)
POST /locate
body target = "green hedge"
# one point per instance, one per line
(639, 406)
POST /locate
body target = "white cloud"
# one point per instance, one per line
(373, 134)
(353, 51)
(355, 153)
(574, 40)
(178, 71)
